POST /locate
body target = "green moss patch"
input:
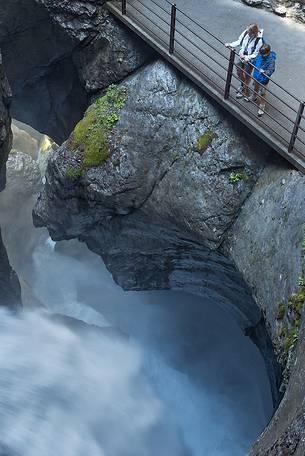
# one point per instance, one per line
(281, 311)
(74, 173)
(205, 141)
(289, 332)
(238, 175)
(91, 134)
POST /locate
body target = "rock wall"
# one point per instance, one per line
(291, 9)
(5, 130)
(172, 195)
(58, 54)
(267, 244)
(171, 153)
(9, 285)
(159, 204)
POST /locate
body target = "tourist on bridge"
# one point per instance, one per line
(250, 41)
(264, 65)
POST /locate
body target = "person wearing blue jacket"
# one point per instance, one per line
(264, 67)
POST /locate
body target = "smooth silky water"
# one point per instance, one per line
(140, 374)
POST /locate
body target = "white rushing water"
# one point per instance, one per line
(159, 374)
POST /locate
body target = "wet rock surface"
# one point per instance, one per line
(9, 284)
(285, 433)
(176, 179)
(5, 123)
(283, 8)
(58, 54)
(267, 245)
(169, 141)
(181, 187)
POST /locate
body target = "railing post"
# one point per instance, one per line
(172, 29)
(296, 126)
(123, 7)
(229, 75)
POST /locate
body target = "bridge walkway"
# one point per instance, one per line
(202, 57)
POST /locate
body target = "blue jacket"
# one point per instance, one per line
(266, 63)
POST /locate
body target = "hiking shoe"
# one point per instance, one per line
(251, 99)
(260, 112)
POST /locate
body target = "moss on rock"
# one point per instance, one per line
(205, 140)
(289, 331)
(74, 173)
(281, 311)
(91, 134)
(239, 175)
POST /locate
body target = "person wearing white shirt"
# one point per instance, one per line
(249, 42)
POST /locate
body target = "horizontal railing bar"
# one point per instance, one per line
(301, 128)
(201, 50)
(204, 63)
(158, 38)
(167, 1)
(199, 71)
(268, 127)
(220, 41)
(259, 119)
(202, 39)
(143, 14)
(219, 79)
(145, 6)
(273, 81)
(163, 9)
(299, 139)
(200, 26)
(266, 113)
(267, 101)
(299, 152)
(268, 90)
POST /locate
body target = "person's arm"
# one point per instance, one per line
(255, 51)
(236, 43)
(269, 69)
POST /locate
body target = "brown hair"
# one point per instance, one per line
(265, 49)
(253, 29)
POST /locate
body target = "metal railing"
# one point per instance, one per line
(206, 55)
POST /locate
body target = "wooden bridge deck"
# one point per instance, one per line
(202, 58)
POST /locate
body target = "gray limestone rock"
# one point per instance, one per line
(5, 123)
(180, 177)
(10, 293)
(174, 155)
(280, 11)
(9, 284)
(265, 242)
(267, 245)
(253, 2)
(59, 53)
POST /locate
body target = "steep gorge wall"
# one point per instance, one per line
(58, 54)
(176, 189)
(9, 285)
(179, 186)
